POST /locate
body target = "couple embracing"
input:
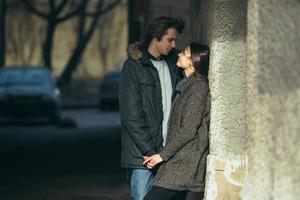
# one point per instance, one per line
(165, 113)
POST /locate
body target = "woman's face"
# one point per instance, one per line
(184, 60)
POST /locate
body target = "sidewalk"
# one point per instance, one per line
(80, 93)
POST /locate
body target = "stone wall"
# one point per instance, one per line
(273, 100)
(225, 31)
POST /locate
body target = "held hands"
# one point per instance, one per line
(152, 161)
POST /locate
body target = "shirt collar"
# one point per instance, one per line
(160, 58)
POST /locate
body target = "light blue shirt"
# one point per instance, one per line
(166, 92)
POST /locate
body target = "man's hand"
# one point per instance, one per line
(152, 161)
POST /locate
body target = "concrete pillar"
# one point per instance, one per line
(226, 33)
(273, 100)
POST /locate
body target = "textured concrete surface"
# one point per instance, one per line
(273, 100)
(226, 34)
(225, 178)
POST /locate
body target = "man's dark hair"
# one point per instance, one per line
(158, 28)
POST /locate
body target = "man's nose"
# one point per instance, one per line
(173, 44)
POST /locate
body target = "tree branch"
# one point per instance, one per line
(61, 6)
(34, 10)
(52, 5)
(72, 13)
(104, 10)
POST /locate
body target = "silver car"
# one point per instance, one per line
(29, 92)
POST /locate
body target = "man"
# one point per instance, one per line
(147, 84)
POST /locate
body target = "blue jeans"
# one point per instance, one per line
(140, 183)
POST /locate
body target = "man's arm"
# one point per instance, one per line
(132, 114)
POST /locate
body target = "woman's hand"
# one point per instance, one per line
(152, 161)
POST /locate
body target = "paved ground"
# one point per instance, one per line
(80, 93)
(39, 161)
(91, 117)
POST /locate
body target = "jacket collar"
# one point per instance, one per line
(182, 85)
(139, 51)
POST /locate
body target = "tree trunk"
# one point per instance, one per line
(48, 44)
(2, 32)
(82, 40)
(84, 37)
(76, 56)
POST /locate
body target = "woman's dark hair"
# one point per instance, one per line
(158, 28)
(200, 58)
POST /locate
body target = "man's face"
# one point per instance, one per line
(167, 42)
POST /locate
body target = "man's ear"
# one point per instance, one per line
(155, 39)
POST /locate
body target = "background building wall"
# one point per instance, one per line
(106, 50)
(273, 100)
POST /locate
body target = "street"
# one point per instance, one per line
(42, 162)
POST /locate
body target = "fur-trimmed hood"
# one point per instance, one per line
(134, 51)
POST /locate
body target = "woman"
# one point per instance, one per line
(183, 158)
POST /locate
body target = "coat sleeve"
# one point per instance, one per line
(192, 113)
(132, 114)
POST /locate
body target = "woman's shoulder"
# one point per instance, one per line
(199, 82)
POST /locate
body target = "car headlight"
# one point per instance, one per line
(57, 92)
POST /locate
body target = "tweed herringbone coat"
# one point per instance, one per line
(187, 145)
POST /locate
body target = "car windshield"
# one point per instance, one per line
(10, 77)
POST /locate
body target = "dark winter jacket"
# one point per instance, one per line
(141, 105)
(186, 146)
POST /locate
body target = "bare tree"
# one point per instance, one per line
(2, 32)
(53, 17)
(84, 34)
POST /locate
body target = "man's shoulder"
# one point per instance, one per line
(134, 51)
(198, 84)
(131, 63)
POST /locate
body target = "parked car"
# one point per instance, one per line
(109, 91)
(29, 92)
